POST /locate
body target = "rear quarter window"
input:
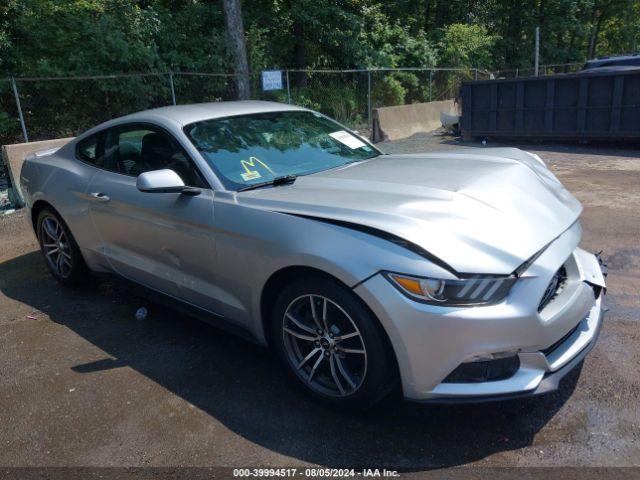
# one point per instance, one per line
(91, 150)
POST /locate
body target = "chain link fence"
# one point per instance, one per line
(8, 123)
(551, 69)
(43, 108)
(202, 87)
(54, 108)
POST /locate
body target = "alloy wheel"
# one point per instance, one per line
(324, 346)
(56, 247)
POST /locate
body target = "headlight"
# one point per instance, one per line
(478, 290)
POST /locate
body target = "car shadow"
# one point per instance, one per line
(242, 386)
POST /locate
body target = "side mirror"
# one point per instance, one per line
(164, 181)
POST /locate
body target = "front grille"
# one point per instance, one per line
(554, 288)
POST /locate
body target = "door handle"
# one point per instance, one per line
(100, 197)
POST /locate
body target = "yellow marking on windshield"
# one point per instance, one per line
(253, 174)
(252, 163)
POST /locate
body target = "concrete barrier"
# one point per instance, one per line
(402, 121)
(13, 157)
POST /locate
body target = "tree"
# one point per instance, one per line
(601, 11)
(235, 30)
(98, 37)
(467, 46)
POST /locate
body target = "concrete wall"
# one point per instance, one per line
(13, 157)
(402, 121)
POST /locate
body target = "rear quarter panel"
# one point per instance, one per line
(61, 180)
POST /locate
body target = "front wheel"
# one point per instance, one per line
(332, 345)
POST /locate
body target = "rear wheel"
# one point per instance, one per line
(332, 345)
(59, 248)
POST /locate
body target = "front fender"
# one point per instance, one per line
(253, 244)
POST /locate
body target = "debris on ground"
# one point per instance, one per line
(4, 199)
(4, 191)
(141, 313)
(450, 122)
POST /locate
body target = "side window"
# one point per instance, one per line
(91, 150)
(135, 149)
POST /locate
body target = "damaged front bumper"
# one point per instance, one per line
(431, 342)
(544, 371)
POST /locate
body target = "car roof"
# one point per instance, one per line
(181, 115)
(185, 114)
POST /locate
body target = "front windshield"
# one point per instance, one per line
(250, 149)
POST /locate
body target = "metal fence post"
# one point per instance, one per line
(476, 73)
(173, 91)
(369, 119)
(537, 51)
(430, 82)
(288, 88)
(15, 93)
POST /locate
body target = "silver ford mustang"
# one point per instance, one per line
(454, 276)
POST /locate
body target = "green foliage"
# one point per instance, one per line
(388, 90)
(303, 98)
(390, 44)
(83, 37)
(47, 37)
(7, 124)
(467, 46)
(344, 101)
(616, 33)
(97, 37)
(52, 37)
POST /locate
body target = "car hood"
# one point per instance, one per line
(484, 211)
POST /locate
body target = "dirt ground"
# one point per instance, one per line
(83, 383)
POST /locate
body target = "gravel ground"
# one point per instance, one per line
(84, 383)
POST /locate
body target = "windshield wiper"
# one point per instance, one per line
(283, 180)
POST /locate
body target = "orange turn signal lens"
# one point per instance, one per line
(411, 285)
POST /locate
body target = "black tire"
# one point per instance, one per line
(379, 377)
(75, 270)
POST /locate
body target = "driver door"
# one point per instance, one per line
(164, 241)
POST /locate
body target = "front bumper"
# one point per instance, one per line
(550, 380)
(430, 341)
